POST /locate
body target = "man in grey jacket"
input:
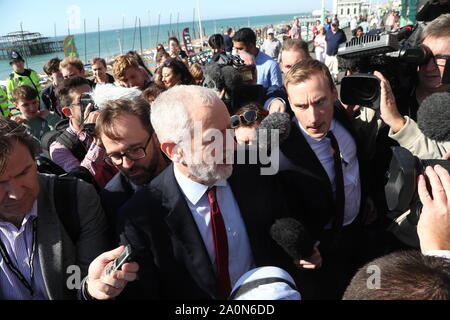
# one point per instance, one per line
(41, 257)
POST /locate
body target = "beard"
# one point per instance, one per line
(146, 175)
(208, 174)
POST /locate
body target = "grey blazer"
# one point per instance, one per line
(56, 250)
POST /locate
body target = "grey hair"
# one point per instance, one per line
(169, 113)
(438, 28)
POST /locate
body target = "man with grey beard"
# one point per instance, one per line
(203, 222)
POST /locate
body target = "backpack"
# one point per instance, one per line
(61, 135)
(45, 165)
(65, 196)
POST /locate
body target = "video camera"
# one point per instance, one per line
(396, 55)
(85, 100)
(401, 189)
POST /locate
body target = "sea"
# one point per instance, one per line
(114, 42)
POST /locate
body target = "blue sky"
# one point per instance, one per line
(41, 15)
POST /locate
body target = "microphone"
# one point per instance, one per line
(275, 121)
(292, 236)
(433, 116)
(102, 94)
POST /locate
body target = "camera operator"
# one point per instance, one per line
(403, 129)
(75, 146)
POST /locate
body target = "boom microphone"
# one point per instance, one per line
(292, 236)
(275, 121)
(433, 116)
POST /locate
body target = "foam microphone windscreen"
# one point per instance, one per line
(280, 121)
(291, 235)
(104, 93)
(433, 116)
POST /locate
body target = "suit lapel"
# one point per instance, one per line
(183, 226)
(297, 150)
(49, 241)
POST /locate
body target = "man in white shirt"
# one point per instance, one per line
(271, 45)
(323, 145)
(202, 222)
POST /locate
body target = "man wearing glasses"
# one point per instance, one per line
(403, 129)
(75, 146)
(132, 147)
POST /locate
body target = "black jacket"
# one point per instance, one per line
(314, 186)
(173, 260)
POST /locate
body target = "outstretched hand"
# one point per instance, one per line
(102, 286)
(434, 223)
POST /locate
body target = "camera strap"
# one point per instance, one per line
(14, 269)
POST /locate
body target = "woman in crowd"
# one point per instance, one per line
(320, 44)
(197, 72)
(246, 121)
(175, 50)
(175, 72)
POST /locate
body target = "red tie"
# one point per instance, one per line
(220, 244)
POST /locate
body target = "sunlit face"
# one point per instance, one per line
(213, 164)
(19, 186)
(290, 58)
(359, 32)
(132, 136)
(174, 48)
(57, 77)
(241, 46)
(28, 108)
(430, 74)
(169, 78)
(75, 113)
(133, 77)
(18, 66)
(99, 70)
(312, 103)
(71, 71)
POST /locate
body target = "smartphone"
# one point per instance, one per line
(123, 258)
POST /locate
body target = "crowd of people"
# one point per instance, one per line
(91, 166)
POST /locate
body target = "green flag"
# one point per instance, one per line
(69, 47)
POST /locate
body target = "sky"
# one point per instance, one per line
(41, 16)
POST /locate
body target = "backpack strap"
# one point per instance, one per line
(72, 143)
(66, 204)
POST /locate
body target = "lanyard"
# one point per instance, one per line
(13, 268)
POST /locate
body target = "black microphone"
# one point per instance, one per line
(280, 121)
(433, 116)
(292, 236)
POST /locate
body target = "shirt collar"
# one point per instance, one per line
(193, 191)
(30, 216)
(308, 137)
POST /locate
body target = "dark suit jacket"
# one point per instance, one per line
(314, 185)
(57, 252)
(115, 194)
(174, 263)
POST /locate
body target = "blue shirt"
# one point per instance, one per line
(268, 71)
(334, 40)
(18, 244)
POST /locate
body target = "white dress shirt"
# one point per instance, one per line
(240, 258)
(350, 166)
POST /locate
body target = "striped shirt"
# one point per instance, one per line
(18, 244)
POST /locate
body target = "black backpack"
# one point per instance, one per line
(65, 196)
(64, 137)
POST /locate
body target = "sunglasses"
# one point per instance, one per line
(245, 118)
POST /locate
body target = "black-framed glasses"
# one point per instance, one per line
(116, 159)
(441, 59)
(247, 118)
